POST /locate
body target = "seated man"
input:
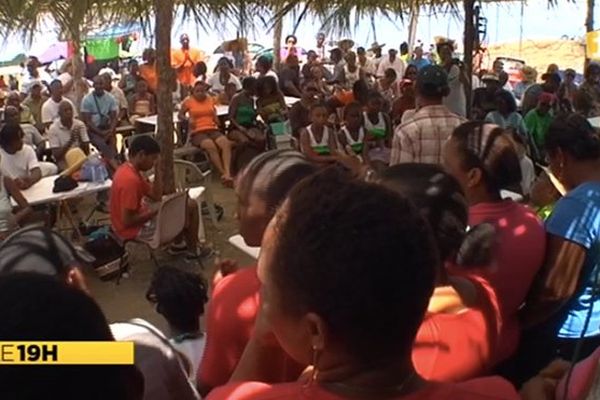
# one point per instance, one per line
(50, 106)
(99, 113)
(18, 161)
(25, 115)
(131, 215)
(31, 135)
(66, 133)
(119, 96)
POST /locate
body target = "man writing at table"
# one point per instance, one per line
(66, 133)
(130, 214)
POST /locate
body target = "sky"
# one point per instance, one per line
(504, 20)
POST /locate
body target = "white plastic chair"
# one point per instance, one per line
(170, 222)
(188, 176)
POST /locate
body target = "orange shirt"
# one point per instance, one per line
(492, 388)
(345, 97)
(126, 193)
(230, 317)
(455, 347)
(183, 61)
(202, 114)
(149, 74)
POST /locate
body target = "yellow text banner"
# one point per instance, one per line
(66, 353)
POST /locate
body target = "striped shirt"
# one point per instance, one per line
(420, 138)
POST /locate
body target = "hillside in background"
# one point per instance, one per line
(540, 53)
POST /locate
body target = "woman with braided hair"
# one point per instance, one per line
(483, 158)
(457, 338)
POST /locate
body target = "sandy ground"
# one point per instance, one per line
(540, 53)
(127, 299)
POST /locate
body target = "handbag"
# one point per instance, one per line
(64, 184)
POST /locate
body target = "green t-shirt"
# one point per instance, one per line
(537, 126)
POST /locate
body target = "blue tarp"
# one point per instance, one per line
(118, 30)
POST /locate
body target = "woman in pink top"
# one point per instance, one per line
(330, 306)
(458, 337)
(482, 157)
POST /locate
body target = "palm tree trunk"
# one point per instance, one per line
(277, 32)
(164, 93)
(412, 27)
(78, 69)
(589, 22)
(469, 43)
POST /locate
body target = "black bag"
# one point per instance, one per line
(111, 258)
(64, 184)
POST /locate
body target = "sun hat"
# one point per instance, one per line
(74, 159)
(375, 46)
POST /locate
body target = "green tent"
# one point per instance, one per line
(102, 49)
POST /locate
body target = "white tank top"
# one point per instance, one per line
(351, 77)
(319, 147)
(369, 126)
(350, 140)
(356, 145)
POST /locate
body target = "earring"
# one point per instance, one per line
(315, 371)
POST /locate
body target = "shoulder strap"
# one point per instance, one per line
(181, 358)
(97, 105)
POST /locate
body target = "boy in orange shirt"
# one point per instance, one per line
(130, 214)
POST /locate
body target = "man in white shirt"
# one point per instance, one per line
(33, 75)
(392, 61)
(264, 68)
(66, 133)
(366, 65)
(17, 160)
(50, 106)
(377, 56)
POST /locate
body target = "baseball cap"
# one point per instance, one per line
(432, 80)
(490, 77)
(40, 250)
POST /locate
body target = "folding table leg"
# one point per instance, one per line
(64, 206)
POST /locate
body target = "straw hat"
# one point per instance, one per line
(529, 73)
(241, 42)
(348, 43)
(74, 159)
(376, 46)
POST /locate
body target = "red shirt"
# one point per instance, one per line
(518, 254)
(230, 317)
(126, 193)
(492, 388)
(458, 346)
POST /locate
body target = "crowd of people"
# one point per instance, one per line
(407, 251)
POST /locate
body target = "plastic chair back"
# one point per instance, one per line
(170, 220)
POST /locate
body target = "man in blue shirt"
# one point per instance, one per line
(418, 60)
(99, 113)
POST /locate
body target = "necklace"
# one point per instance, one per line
(369, 393)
